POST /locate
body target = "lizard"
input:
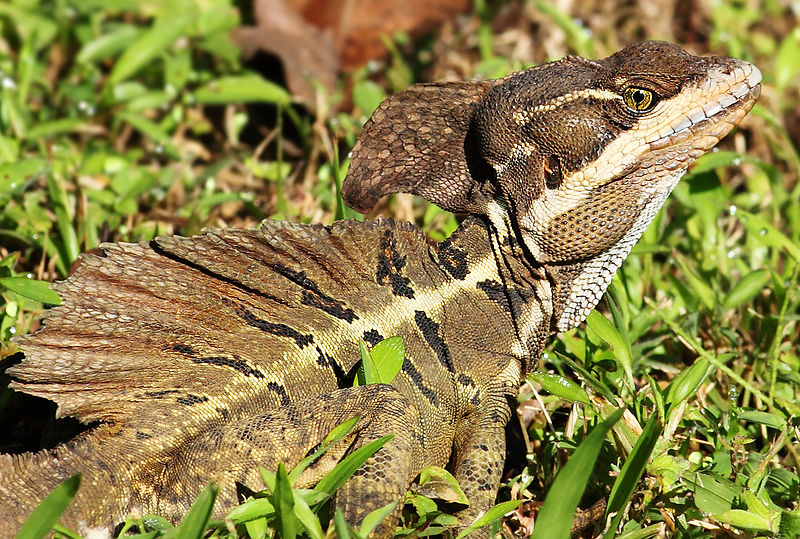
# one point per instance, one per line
(201, 358)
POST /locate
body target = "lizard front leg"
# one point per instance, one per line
(478, 456)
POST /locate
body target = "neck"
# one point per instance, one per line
(505, 275)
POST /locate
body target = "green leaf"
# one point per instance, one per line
(622, 350)
(148, 46)
(268, 477)
(257, 529)
(714, 160)
(367, 372)
(658, 397)
(196, 520)
(283, 500)
(251, 510)
(150, 129)
(746, 289)
(306, 517)
(31, 289)
(768, 234)
(47, 513)
(490, 516)
(436, 482)
(698, 285)
(367, 95)
(343, 529)
(381, 364)
(69, 249)
(388, 356)
(743, 519)
(337, 433)
(632, 470)
(348, 465)
(787, 60)
(554, 519)
(587, 376)
(763, 418)
(790, 525)
(242, 89)
(156, 523)
(560, 386)
(686, 383)
(107, 45)
(374, 518)
(340, 431)
(578, 36)
(13, 175)
(714, 494)
(56, 127)
(423, 505)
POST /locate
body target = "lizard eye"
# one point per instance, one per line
(639, 99)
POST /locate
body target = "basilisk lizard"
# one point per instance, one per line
(202, 358)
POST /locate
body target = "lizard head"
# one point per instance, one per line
(574, 158)
(589, 151)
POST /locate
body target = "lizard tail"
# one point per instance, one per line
(22, 480)
(25, 479)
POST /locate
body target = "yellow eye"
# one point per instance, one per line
(639, 99)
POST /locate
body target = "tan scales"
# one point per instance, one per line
(202, 358)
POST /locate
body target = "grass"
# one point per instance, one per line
(124, 120)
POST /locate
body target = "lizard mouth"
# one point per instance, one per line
(726, 95)
(699, 129)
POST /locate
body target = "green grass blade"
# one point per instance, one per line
(587, 377)
(687, 382)
(151, 130)
(490, 516)
(620, 345)
(31, 289)
(348, 465)
(343, 530)
(768, 234)
(554, 519)
(57, 127)
(196, 520)
(257, 529)
(306, 517)
(367, 372)
(631, 472)
(372, 520)
(577, 36)
(251, 510)
(339, 173)
(337, 433)
(47, 513)
(242, 89)
(746, 289)
(69, 249)
(148, 46)
(107, 45)
(560, 386)
(283, 500)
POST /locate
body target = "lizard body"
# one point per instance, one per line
(202, 358)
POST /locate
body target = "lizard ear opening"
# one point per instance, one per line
(419, 141)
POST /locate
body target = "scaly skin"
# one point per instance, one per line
(203, 358)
